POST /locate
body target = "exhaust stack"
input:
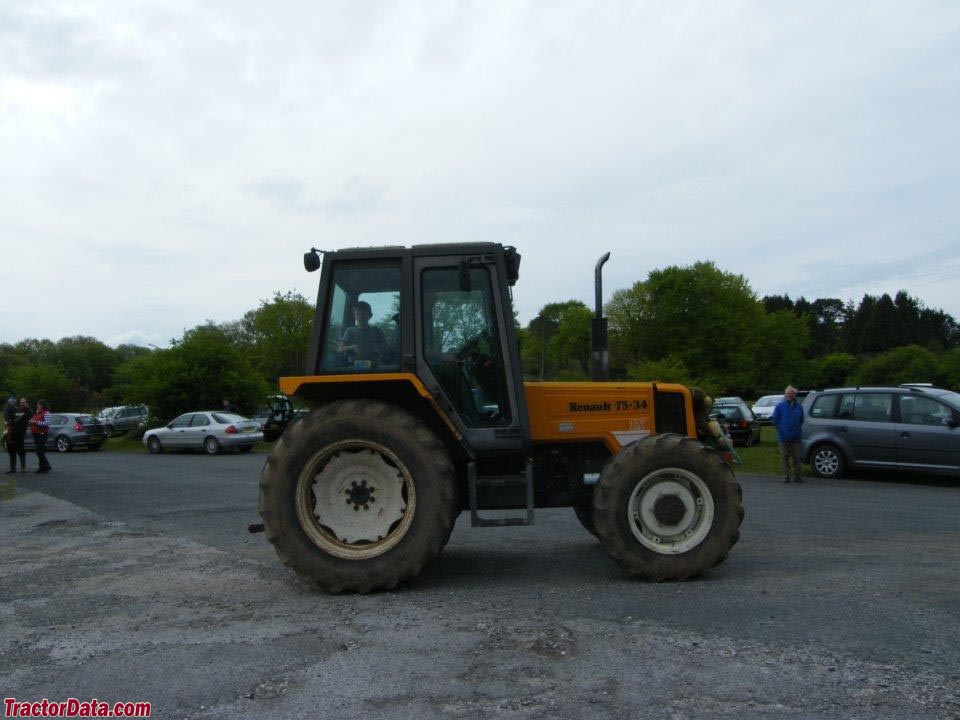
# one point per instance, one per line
(598, 327)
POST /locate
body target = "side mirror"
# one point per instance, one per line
(311, 260)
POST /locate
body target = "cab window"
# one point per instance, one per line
(182, 421)
(362, 332)
(461, 343)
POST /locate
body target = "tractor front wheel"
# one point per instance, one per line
(359, 497)
(667, 508)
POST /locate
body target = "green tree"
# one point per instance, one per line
(833, 370)
(195, 373)
(46, 382)
(779, 341)
(901, 365)
(559, 334)
(697, 314)
(571, 342)
(278, 335)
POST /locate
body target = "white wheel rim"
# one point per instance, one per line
(670, 511)
(826, 462)
(210, 444)
(62, 444)
(355, 499)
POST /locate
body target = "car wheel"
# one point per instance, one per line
(211, 446)
(827, 461)
(154, 445)
(64, 444)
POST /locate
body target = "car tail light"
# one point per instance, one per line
(78, 427)
(231, 430)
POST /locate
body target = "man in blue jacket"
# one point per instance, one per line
(787, 418)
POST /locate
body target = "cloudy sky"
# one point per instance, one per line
(169, 162)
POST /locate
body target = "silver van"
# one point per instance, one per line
(909, 427)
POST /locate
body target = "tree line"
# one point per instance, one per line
(239, 360)
(700, 325)
(695, 324)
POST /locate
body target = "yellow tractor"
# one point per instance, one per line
(419, 411)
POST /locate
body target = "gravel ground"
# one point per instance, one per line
(131, 578)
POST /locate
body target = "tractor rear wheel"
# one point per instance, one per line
(358, 497)
(585, 516)
(667, 508)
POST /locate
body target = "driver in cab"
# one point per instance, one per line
(363, 342)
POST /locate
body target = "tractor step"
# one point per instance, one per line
(473, 482)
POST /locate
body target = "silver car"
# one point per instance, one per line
(763, 408)
(209, 430)
(907, 427)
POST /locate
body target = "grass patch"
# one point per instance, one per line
(763, 458)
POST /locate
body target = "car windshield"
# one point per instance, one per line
(768, 401)
(227, 418)
(87, 419)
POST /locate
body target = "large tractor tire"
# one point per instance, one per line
(667, 508)
(359, 496)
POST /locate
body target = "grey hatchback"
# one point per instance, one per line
(70, 430)
(908, 427)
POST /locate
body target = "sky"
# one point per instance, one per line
(167, 163)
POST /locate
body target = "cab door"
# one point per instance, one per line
(467, 351)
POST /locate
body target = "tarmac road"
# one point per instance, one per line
(129, 576)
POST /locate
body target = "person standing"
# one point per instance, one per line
(787, 418)
(39, 424)
(229, 407)
(16, 418)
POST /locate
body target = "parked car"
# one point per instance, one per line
(740, 424)
(121, 419)
(69, 430)
(908, 427)
(734, 402)
(209, 430)
(763, 408)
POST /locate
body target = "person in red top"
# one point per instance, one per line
(39, 424)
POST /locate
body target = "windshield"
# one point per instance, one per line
(768, 401)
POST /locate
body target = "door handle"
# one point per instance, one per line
(843, 429)
(904, 434)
